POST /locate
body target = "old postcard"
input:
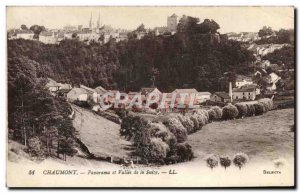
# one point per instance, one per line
(111, 96)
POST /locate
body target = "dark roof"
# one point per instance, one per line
(223, 95)
(243, 89)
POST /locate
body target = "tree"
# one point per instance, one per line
(154, 75)
(141, 28)
(24, 27)
(37, 30)
(265, 31)
(74, 35)
(240, 159)
(212, 161)
(225, 161)
(209, 26)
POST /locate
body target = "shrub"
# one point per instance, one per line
(212, 161)
(240, 159)
(204, 115)
(230, 112)
(201, 120)
(133, 125)
(268, 103)
(218, 111)
(259, 108)
(212, 115)
(175, 126)
(159, 130)
(194, 118)
(186, 122)
(225, 161)
(157, 150)
(250, 110)
(242, 108)
(184, 152)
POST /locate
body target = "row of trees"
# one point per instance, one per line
(282, 36)
(163, 139)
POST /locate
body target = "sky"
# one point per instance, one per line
(230, 19)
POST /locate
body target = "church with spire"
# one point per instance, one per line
(91, 23)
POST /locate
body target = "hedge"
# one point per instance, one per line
(175, 126)
(230, 112)
(242, 109)
(218, 111)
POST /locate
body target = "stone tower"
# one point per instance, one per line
(172, 22)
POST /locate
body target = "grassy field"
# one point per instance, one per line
(100, 136)
(265, 137)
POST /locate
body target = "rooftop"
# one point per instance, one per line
(223, 95)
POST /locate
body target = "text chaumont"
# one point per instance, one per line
(60, 172)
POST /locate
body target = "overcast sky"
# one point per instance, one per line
(230, 19)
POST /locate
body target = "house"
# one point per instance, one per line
(76, 93)
(91, 93)
(201, 97)
(245, 93)
(254, 86)
(25, 34)
(274, 78)
(47, 37)
(54, 86)
(100, 91)
(260, 72)
(220, 97)
(242, 81)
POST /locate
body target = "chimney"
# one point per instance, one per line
(230, 91)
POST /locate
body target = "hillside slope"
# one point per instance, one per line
(99, 135)
(263, 138)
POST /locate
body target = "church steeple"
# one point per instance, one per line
(91, 22)
(98, 21)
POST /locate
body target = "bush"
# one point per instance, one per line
(212, 115)
(204, 115)
(194, 118)
(159, 130)
(157, 150)
(184, 152)
(133, 125)
(242, 108)
(175, 126)
(201, 120)
(186, 122)
(225, 161)
(230, 112)
(250, 110)
(218, 111)
(268, 103)
(240, 159)
(259, 108)
(212, 161)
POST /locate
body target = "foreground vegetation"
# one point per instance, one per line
(163, 139)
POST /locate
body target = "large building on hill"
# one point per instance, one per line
(172, 22)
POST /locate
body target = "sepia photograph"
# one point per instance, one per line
(150, 96)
